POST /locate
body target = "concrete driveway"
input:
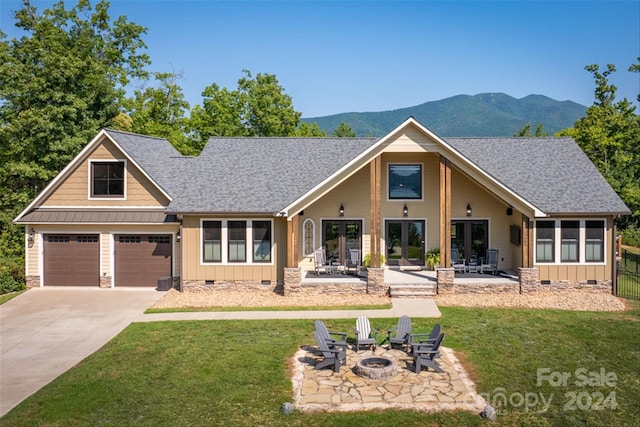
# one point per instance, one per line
(46, 331)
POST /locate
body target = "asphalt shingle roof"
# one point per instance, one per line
(261, 174)
(265, 175)
(553, 174)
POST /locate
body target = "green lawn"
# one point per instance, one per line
(236, 373)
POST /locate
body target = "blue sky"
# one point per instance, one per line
(340, 56)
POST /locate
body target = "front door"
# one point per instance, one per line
(338, 237)
(405, 242)
(471, 238)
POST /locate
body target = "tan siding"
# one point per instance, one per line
(74, 191)
(193, 269)
(428, 208)
(485, 206)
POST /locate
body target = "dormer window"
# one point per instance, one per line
(107, 179)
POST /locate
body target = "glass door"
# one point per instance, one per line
(338, 237)
(471, 238)
(405, 242)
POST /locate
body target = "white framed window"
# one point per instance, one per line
(570, 241)
(237, 241)
(308, 237)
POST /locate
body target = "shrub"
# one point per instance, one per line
(11, 277)
(631, 236)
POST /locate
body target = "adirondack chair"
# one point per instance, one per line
(425, 338)
(334, 354)
(321, 264)
(354, 261)
(456, 263)
(491, 263)
(365, 334)
(399, 334)
(321, 328)
(424, 355)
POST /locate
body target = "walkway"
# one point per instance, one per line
(400, 306)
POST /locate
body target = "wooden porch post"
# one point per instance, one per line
(292, 241)
(374, 214)
(527, 242)
(445, 212)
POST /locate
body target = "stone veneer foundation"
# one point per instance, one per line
(32, 281)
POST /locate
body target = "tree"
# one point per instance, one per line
(525, 131)
(160, 111)
(258, 107)
(59, 83)
(609, 135)
(344, 131)
(309, 129)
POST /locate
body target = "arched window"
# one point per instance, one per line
(308, 237)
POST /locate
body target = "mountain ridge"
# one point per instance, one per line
(485, 114)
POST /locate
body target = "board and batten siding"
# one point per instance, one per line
(74, 191)
(582, 272)
(193, 269)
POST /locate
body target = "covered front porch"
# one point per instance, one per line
(414, 282)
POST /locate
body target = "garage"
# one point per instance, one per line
(71, 260)
(141, 259)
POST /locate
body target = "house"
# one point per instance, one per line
(248, 213)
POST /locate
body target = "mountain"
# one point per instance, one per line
(487, 114)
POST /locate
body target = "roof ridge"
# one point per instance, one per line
(135, 134)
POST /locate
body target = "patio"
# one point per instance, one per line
(426, 391)
(399, 276)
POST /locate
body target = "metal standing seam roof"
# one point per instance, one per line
(48, 216)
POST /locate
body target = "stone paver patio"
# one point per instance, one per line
(428, 391)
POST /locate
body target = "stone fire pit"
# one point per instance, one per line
(376, 367)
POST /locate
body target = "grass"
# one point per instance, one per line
(237, 373)
(284, 308)
(6, 297)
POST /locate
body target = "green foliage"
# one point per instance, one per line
(59, 84)
(433, 258)
(258, 107)
(526, 131)
(344, 131)
(309, 129)
(11, 276)
(160, 111)
(609, 135)
(631, 236)
(367, 260)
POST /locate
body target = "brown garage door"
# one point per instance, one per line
(142, 259)
(71, 260)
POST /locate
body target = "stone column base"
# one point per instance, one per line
(375, 281)
(105, 281)
(32, 282)
(292, 279)
(444, 280)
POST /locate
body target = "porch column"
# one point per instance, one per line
(527, 242)
(374, 215)
(445, 212)
(293, 227)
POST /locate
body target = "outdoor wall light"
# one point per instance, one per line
(32, 235)
(405, 210)
(468, 209)
(341, 209)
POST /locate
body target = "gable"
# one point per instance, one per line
(75, 189)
